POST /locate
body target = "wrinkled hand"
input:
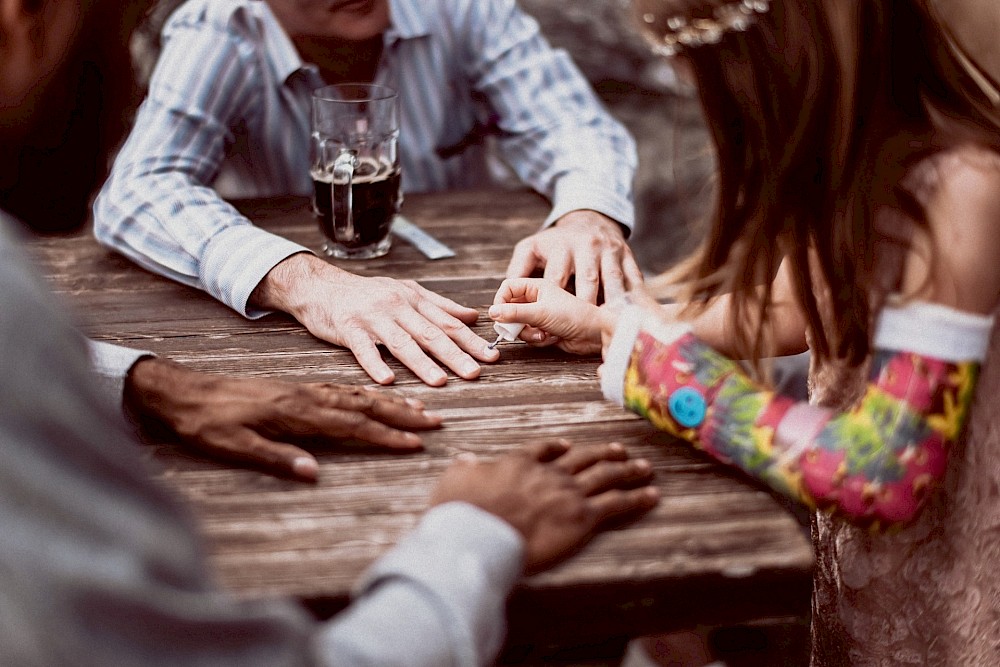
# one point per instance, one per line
(360, 313)
(258, 420)
(555, 495)
(584, 244)
(553, 315)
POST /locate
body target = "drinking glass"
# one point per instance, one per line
(355, 168)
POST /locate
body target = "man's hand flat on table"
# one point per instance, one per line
(263, 421)
(416, 325)
(557, 496)
(584, 244)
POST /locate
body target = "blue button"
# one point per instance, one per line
(687, 406)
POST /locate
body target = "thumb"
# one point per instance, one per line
(524, 313)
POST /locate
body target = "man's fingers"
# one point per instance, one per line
(588, 275)
(582, 458)
(395, 411)
(617, 504)
(401, 345)
(377, 433)
(558, 268)
(633, 274)
(464, 314)
(275, 457)
(365, 351)
(613, 275)
(457, 332)
(523, 261)
(438, 344)
(548, 450)
(607, 475)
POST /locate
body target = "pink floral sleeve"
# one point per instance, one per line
(874, 464)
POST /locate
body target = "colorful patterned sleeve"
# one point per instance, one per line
(874, 463)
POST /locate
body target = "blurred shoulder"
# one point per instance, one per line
(221, 16)
(483, 13)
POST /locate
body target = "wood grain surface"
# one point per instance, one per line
(716, 549)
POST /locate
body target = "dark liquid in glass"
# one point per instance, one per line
(375, 203)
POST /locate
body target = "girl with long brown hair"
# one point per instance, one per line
(857, 211)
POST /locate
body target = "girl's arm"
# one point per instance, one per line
(875, 462)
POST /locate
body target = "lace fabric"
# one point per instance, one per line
(929, 593)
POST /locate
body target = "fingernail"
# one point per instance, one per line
(494, 311)
(468, 457)
(412, 438)
(651, 493)
(414, 403)
(469, 368)
(433, 415)
(642, 465)
(304, 466)
(537, 337)
(616, 447)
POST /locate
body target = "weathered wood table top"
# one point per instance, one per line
(716, 549)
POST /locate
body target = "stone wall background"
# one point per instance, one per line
(673, 181)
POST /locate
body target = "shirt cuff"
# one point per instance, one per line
(576, 192)
(469, 560)
(112, 363)
(235, 261)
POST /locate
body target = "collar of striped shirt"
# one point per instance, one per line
(408, 20)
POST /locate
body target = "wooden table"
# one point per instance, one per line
(715, 550)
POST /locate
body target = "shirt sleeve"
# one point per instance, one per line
(158, 207)
(452, 576)
(555, 133)
(112, 364)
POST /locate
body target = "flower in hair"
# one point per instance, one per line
(669, 35)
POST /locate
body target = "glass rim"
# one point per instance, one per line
(377, 92)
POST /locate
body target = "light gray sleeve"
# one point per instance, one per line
(437, 600)
(111, 364)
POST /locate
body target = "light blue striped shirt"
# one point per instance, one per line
(227, 116)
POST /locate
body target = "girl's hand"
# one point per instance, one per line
(553, 315)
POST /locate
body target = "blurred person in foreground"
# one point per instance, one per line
(100, 566)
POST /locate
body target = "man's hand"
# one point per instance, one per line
(362, 313)
(584, 244)
(258, 420)
(555, 495)
(553, 315)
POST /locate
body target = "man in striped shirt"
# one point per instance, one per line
(227, 116)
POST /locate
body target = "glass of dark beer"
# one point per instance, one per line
(355, 168)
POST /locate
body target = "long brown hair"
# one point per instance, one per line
(813, 139)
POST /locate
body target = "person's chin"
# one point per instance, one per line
(358, 20)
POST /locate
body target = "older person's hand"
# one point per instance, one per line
(266, 422)
(556, 496)
(413, 323)
(584, 244)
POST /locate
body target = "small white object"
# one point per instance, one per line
(506, 332)
(421, 240)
